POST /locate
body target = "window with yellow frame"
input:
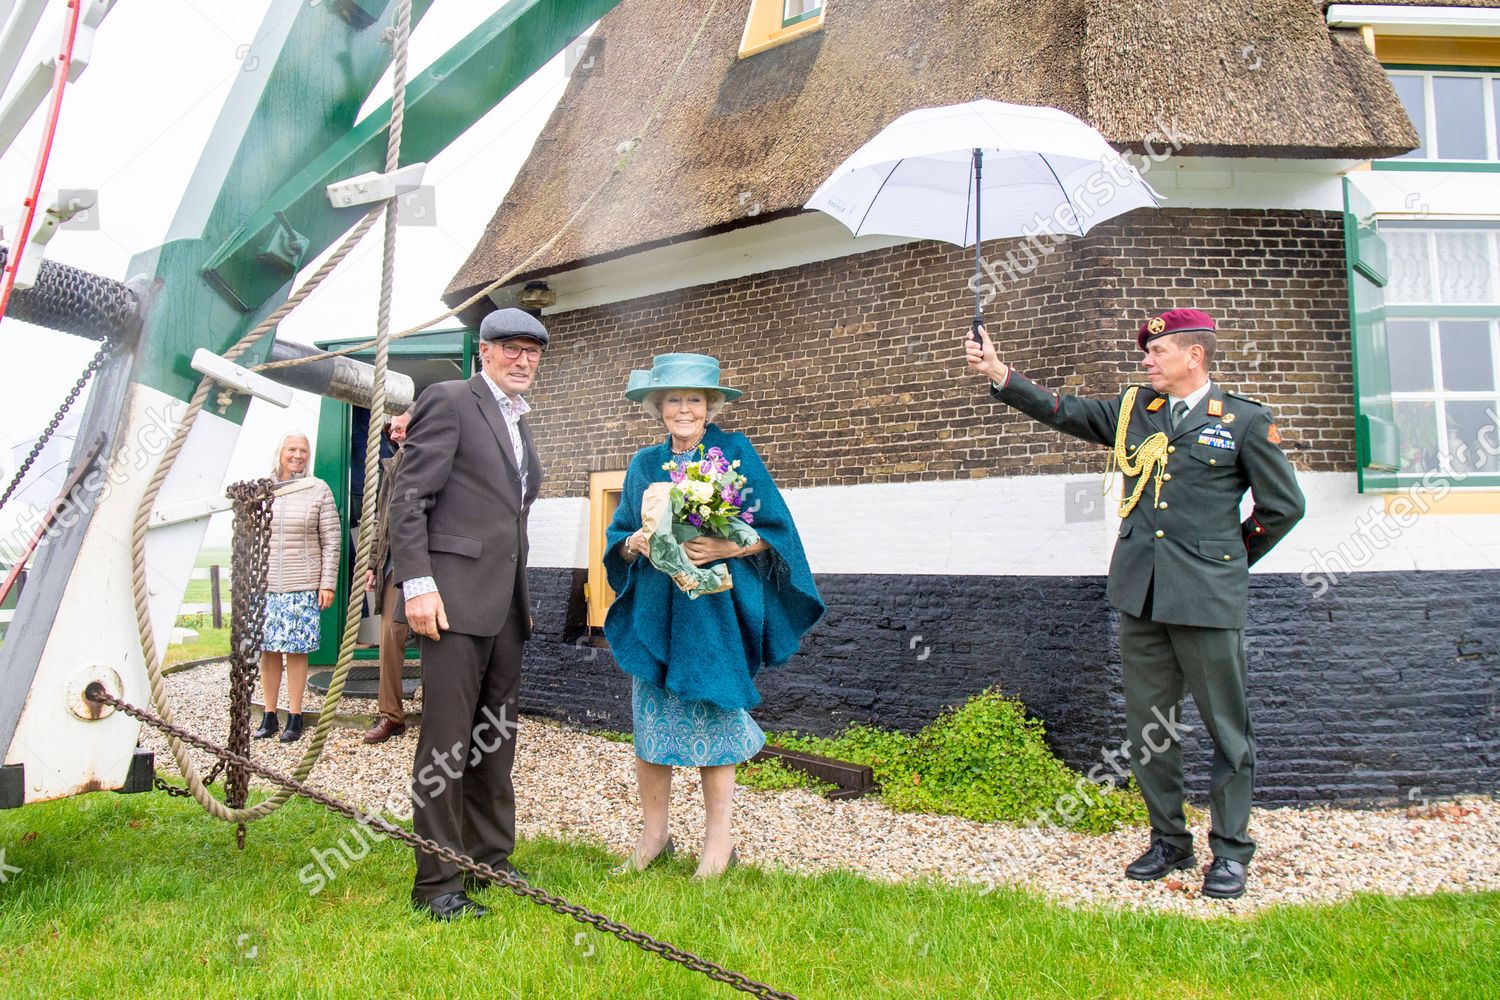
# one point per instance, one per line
(772, 22)
(604, 498)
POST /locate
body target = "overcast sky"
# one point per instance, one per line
(133, 128)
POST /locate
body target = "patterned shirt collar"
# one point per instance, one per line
(512, 407)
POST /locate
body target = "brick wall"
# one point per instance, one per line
(853, 367)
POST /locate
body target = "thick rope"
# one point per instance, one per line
(1148, 461)
(310, 756)
(402, 30)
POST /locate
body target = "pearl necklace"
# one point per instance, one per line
(686, 451)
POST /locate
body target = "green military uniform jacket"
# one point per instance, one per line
(1194, 547)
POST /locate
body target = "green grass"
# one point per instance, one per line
(143, 896)
(200, 592)
(213, 557)
(210, 642)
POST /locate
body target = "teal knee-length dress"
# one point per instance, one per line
(683, 733)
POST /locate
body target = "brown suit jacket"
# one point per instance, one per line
(380, 544)
(457, 513)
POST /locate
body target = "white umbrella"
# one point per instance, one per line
(984, 168)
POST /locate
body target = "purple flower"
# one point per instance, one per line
(747, 517)
(678, 475)
(730, 495)
(715, 453)
(695, 520)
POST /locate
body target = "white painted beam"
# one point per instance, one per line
(1402, 19)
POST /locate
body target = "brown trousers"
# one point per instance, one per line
(461, 779)
(393, 638)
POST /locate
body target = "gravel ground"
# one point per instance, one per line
(576, 786)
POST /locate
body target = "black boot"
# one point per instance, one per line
(293, 731)
(268, 726)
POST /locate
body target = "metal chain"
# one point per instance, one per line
(180, 792)
(95, 693)
(249, 566)
(62, 411)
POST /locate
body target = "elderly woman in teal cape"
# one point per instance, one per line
(693, 660)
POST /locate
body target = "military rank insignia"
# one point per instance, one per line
(1156, 404)
(1229, 418)
(1215, 407)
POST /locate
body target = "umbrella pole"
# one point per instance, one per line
(978, 176)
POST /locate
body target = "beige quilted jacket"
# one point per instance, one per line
(304, 541)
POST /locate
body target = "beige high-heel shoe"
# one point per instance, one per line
(734, 859)
(630, 865)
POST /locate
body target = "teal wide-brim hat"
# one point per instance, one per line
(678, 371)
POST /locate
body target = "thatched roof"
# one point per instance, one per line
(738, 141)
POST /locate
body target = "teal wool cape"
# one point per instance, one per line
(710, 648)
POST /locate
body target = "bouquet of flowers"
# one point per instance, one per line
(705, 497)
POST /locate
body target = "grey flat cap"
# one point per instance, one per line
(510, 324)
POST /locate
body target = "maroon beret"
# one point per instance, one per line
(1174, 321)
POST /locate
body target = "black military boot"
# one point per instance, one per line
(293, 731)
(268, 726)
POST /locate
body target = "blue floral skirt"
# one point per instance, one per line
(670, 730)
(292, 622)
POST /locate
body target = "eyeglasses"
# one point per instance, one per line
(514, 351)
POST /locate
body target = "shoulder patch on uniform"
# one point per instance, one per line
(1272, 434)
(1156, 404)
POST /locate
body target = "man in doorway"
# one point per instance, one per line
(380, 582)
(1179, 575)
(458, 535)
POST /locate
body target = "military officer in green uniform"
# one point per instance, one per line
(1180, 572)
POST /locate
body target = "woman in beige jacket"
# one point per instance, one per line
(299, 586)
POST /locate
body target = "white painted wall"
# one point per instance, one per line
(1060, 526)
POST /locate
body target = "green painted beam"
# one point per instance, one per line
(432, 343)
(441, 103)
(303, 80)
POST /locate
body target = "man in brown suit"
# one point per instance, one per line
(458, 535)
(381, 584)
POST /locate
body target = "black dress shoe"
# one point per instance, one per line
(449, 906)
(473, 883)
(1225, 879)
(268, 726)
(1160, 858)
